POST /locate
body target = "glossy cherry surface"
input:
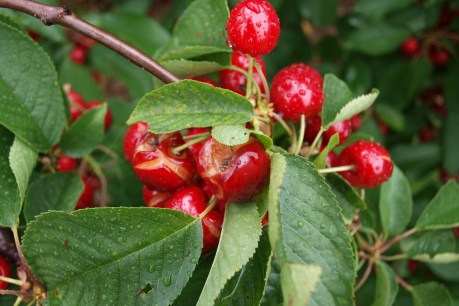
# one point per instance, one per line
(154, 198)
(373, 164)
(131, 138)
(410, 46)
(86, 198)
(158, 167)
(4, 271)
(297, 90)
(234, 173)
(343, 128)
(66, 164)
(253, 27)
(313, 126)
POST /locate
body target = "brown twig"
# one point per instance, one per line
(15, 292)
(64, 16)
(404, 284)
(365, 275)
(396, 239)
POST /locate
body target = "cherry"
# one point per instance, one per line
(155, 198)
(413, 265)
(108, 115)
(204, 79)
(313, 126)
(34, 35)
(373, 164)
(446, 176)
(78, 54)
(343, 128)
(132, 136)
(410, 46)
(456, 231)
(427, 133)
(192, 200)
(331, 158)
(87, 196)
(253, 27)
(160, 168)
(4, 271)
(66, 164)
(356, 122)
(77, 105)
(194, 149)
(234, 173)
(236, 81)
(438, 56)
(297, 90)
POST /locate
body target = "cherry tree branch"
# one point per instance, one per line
(63, 16)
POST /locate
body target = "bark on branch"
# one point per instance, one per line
(65, 17)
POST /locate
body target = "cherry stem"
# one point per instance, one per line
(283, 123)
(65, 17)
(246, 74)
(108, 151)
(396, 239)
(11, 280)
(16, 293)
(186, 137)
(248, 89)
(365, 276)
(337, 169)
(18, 301)
(212, 203)
(263, 81)
(300, 135)
(404, 284)
(24, 264)
(394, 257)
(188, 144)
(315, 142)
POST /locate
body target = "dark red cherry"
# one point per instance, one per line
(87, 196)
(155, 198)
(66, 164)
(343, 128)
(108, 114)
(132, 136)
(4, 271)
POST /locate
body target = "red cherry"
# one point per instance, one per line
(236, 81)
(234, 173)
(383, 128)
(438, 56)
(427, 133)
(331, 158)
(253, 27)
(4, 271)
(413, 265)
(108, 115)
(34, 35)
(132, 136)
(78, 54)
(194, 149)
(356, 122)
(87, 196)
(265, 220)
(373, 164)
(77, 105)
(204, 79)
(158, 167)
(192, 201)
(155, 198)
(410, 46)
(456, 231)
(66, 164)
(297, 90)
(446, 176)
(343, 128)
(313, 126)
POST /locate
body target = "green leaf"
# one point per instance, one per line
(85, 133)
(391, 116)
(321, 160)
(10, 201)
(233, 135)
(435, 247)
(79, 77)
(202, 24)
(22, 161)
(113, 256)
(443, 210)
(54, 191)
(386, 285)
(395, 203)
(299, 281)
(321, 13)
(248, 285)
(337, 95)
(189, 104)
(306, 227)
(184, 68)
(31, 102)
(273, 291)
(240, 234)
(446, 272)
(376, 9)
(431, 293)
(348, 198)
(450, 145)
(376, 38)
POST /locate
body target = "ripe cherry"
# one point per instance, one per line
(194, 149)
(343, 128)
(410, 46)
(155, 198)
(356, 122)
(236, 81)
(87, 196)
(331, 158)
(159, 167)
(108, 115)
(253, 27)
(413, 265)
(373, 164)
(78, 54)
(234, 173)
(132, 136)
(456, 231)
(446, 176)
(204, 79)
(313, 126)
(34, 35)
(438, 56)
(297, 90)
(4, 271)
(192, 201)
(77, 105)
(66, 164)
